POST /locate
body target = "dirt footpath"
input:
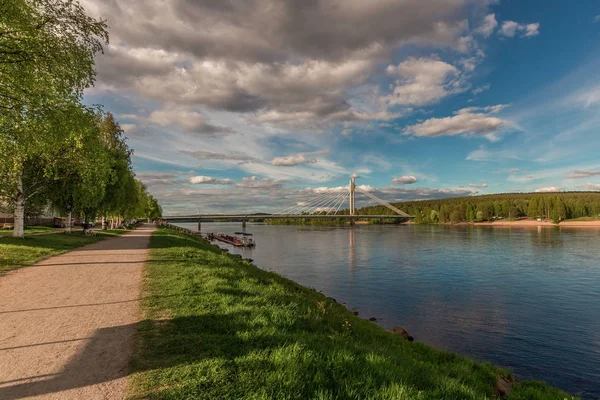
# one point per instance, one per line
(67, 324)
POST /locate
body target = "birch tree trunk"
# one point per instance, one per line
(69, 222)
(19, 228)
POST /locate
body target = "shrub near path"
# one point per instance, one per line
(218, 327)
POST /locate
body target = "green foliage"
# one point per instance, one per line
(217, 327)
(47, 50)
(549, 206)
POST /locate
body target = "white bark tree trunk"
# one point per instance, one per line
(69, 222)
(19, 228)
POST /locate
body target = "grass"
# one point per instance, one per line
(16, 253)
(28, 230)
(217, 327)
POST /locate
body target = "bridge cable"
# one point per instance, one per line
(383, 202)
(322, 200)
(329, 204)
(299, 208)
(344, 199)
(326, 200)
(335, 203)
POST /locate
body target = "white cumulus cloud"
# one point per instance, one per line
(471, 120)
(578, 174)
(423, 81)
(209, 180)
(549, 189)
(488, 25)
(405, 180)
(290, 161)
(511, 28)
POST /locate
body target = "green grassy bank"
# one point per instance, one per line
(29, 230)
(15, 253)
(217, 327)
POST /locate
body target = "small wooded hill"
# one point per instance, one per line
(550, 206)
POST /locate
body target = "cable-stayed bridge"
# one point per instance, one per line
(328, 205)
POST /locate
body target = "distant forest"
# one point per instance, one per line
(548, 206)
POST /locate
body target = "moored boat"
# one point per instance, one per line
(244, 241)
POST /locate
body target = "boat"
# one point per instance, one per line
(244, 241)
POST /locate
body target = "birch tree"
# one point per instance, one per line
(83, 173)
(47, 50)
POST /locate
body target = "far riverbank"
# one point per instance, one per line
(533, 223)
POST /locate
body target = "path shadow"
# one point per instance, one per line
(101, 360)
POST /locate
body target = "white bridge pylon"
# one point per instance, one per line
(332, 201)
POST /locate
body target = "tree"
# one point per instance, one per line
(479, 216)
(120, 190)
(153, 209)
(47, 52)
(84, 173)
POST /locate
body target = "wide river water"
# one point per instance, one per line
(524, 298)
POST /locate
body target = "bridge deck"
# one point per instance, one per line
(250, 217)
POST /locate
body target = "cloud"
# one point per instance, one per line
(514, 170)
(405, 180)
(467, 121)
(597, 18)
(293, 160)
(488, 25)
(209, 180)
(511, 28)
(578, 174)
(423, 81)
(481, 89)
(482, 154)
(207, 155)
(254, 182)
(159, 178)
(593, 186)
(478, 185)
(549, 189)
(256, 55)
(190, 120)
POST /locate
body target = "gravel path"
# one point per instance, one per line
(67, 324)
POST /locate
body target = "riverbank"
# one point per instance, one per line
(533, 223)
(217, 326)
(16, 253)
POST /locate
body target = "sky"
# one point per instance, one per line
(257, 105)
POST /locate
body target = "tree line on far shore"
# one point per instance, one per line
(554, 207)
(55, 151)
(546, 206)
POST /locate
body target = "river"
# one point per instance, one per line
(524, 298)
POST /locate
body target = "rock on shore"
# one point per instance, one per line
(400, 330)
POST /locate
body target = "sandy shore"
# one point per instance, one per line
(532, 223)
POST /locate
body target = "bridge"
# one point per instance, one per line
(326, 206)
